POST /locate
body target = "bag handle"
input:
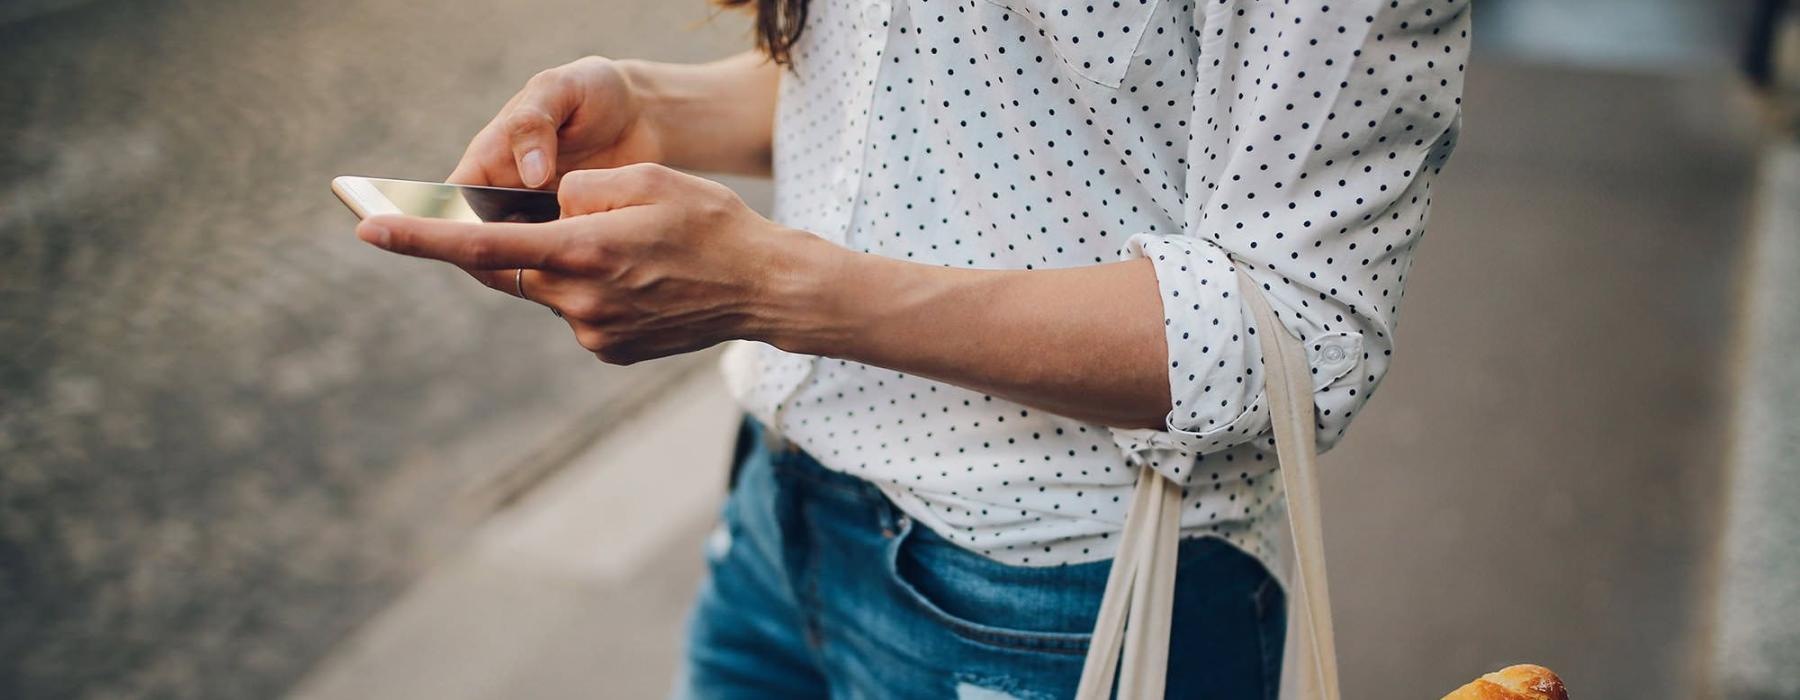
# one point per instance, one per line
(1137, 607)
(1287, 380)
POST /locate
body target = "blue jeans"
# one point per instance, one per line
(820, 587)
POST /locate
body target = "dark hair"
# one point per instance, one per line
(778, 25)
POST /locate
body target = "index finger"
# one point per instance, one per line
(532, 121)
(466, 244)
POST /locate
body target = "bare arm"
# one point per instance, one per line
(1082, 342)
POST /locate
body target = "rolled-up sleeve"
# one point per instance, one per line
(1315, 136)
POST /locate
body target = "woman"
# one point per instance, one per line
(999, 281)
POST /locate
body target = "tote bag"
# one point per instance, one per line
(1140, 589)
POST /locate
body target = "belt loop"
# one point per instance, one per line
(777, 443)
(774, 438)
(778, 440)
(893, 520)
(747, 439)
(886, 517)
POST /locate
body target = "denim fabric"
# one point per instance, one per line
(819, 587)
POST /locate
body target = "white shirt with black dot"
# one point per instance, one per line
(1298, 138)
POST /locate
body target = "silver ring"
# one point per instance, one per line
(519, 286)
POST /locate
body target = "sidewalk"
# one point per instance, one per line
(1757, 654)
(577, 590)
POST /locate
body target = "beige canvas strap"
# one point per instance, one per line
(1138, 604)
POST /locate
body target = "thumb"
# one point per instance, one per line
(532, 133)
(532, 122)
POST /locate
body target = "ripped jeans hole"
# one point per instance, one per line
(969, 687)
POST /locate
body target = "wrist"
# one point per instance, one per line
(823, 299)
(715, 117)
(647, 85)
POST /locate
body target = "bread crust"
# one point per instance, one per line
(1521, 682)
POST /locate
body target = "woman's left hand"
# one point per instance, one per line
(646, 262)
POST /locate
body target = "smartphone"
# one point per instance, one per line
(369, 196)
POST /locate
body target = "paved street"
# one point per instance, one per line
(576, 591)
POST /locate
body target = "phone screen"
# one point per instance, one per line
(468, 203)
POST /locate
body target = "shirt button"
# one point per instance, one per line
(1333, 354)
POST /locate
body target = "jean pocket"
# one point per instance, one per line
(1040, 609)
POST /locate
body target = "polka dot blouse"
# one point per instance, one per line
(1297, 139)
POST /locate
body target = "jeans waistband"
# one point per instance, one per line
(791, 462)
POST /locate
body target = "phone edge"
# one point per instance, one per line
(362, 200)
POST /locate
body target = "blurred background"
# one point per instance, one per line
(243, 455)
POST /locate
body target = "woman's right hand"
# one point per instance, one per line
(575, 116)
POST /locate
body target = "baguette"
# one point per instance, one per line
(1522, 682)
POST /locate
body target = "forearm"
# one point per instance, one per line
(1081, 342)
(714, 117)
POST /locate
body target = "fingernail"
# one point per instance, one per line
(375, 234)
(531, 168)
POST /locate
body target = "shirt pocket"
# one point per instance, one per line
(1094, 38)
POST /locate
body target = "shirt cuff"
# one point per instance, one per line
(1215, 367)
